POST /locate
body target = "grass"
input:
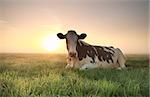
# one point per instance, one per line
(43, 75)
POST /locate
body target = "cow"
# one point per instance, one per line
(86, 56)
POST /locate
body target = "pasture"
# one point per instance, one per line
(44, 75)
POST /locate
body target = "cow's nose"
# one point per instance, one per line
(72, 54)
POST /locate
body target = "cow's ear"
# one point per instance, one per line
(82, 36)
(61, 36)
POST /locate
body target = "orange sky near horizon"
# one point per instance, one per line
(30, 26)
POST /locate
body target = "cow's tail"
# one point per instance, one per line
(121, 59)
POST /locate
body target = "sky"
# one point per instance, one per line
(30, 26)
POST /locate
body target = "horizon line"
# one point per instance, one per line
(63, 53)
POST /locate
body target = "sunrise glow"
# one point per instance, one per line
(51, 43)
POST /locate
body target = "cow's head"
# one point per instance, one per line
(71, 41)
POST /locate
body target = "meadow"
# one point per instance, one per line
(44, 75)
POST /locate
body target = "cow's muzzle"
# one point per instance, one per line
(72, 54)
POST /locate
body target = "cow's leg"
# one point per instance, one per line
(69, 66)
(88, 66)
(69, 63)
(119, 68)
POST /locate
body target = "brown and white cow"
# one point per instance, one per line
(85, 56)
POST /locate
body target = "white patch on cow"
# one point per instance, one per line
(89, 66)
(121, 58)
(85, 60)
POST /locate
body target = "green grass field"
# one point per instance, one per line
(44, 75)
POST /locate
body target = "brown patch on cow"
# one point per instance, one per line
(104, 55)
(110, 48)
(67, 44)
(84, 50)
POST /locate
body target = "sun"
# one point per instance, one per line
(51, 43)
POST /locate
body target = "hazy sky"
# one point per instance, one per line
(121, 23)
